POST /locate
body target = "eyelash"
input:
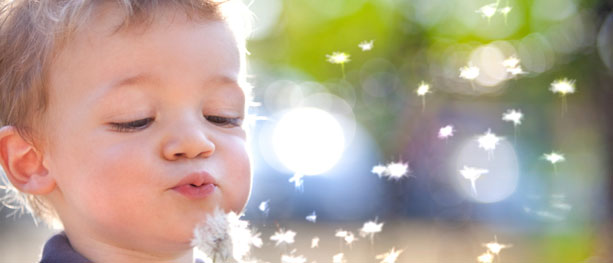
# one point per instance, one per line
(144, 123)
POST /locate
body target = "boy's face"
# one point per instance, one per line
(132, 114)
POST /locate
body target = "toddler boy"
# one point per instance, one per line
(122, 119)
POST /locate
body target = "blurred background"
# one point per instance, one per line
(345, 138)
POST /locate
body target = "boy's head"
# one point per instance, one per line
(123, 118)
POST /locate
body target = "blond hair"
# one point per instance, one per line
(32, 31)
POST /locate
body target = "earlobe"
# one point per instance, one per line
(23, 164)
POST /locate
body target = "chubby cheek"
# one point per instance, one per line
(238, 184)
(111, 183)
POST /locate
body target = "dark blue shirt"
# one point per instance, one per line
(58, 250)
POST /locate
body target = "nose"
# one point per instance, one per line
(187, 142)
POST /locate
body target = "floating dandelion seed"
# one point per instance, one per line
(554, 158)
(516, 71)
(495, 247)
(293, 259)
(371, 228)
(473, 174)
(512, 66)
(470, 73)
(315, 242)
(366, 45)
(378, 169)
(256, 240)
(341, 233)
(505, 12)
(350, 238)
(393, 170)
(312, 217)
(563, 87)
(488, 11)
(282, 236)
(297, 180)
(339, 58)
(422, 90)
(339, 258)
(389, 257)
(510, 62)
(397, 170)
(264, 207)
(514, 116)
(485, 258)
(446, 132)
(489, 141)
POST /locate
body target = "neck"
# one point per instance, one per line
(102, 251)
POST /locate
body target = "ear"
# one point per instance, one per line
(23, 164)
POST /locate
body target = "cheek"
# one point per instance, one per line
(239, 176)
(103, 180)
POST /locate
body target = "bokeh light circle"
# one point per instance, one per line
(308, 140)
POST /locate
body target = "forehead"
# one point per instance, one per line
(102, 51)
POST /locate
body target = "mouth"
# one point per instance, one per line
(196, 186)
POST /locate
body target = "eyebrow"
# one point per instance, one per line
(140, 78)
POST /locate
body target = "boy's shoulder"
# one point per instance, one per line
(58, 249)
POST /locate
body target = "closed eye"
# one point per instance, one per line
(224, 121)
(132, 125)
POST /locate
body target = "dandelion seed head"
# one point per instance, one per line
(212, 237)
(514, 116)
(389, 257)
(423, 89)
(489, 141)
(339, 258)
(554, 157)
(315, 242)
(283, 236)
(563, 86)
(469, 72)
(366, 45)
(485, 258)
(446, 132)
(488, 11)
(338, 58)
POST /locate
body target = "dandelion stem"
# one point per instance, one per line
(343, 69)
(564, 106)
(423, 104)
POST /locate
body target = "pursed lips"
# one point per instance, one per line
(197, 185)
